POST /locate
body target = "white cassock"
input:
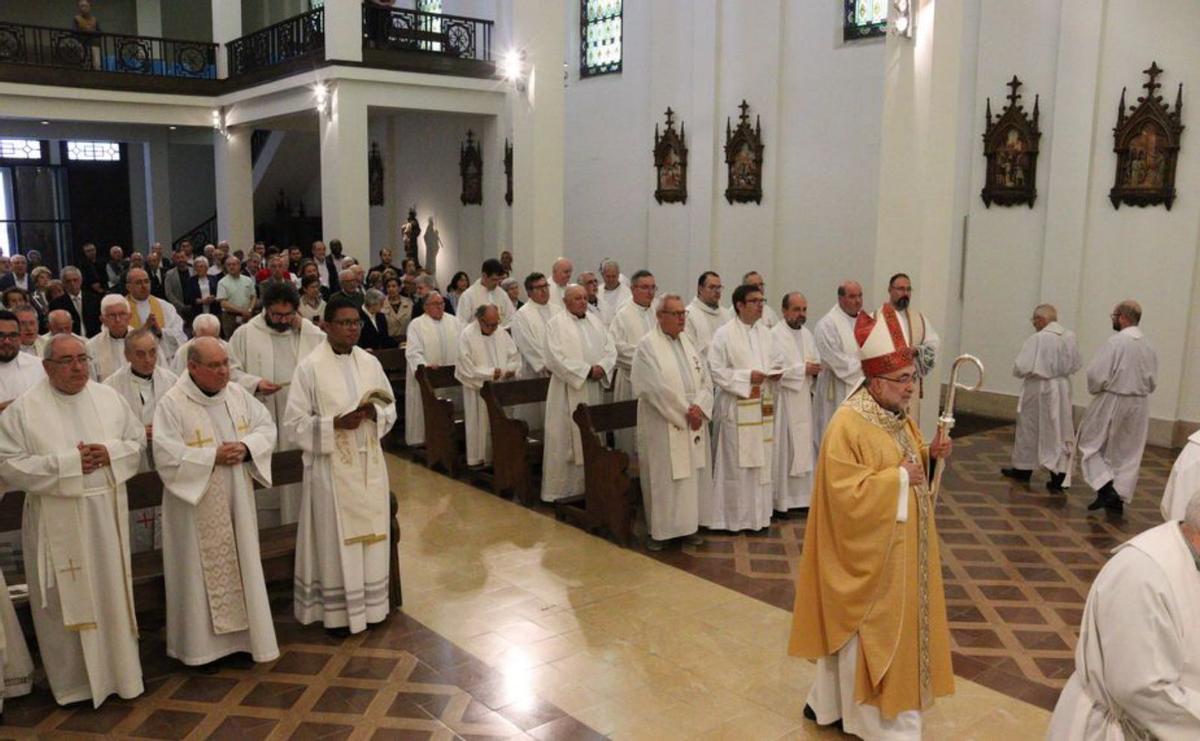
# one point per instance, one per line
(769, 317)
(702, 321)
(743, 421)
(1045, 427)
(841, 368)
(1112, 433)
(918, 331)
(19, 375)
(429, 342)
(236, 374)
(107, 354)
(476, 296)
(1184, 481)
(342, 543)
(629, 326)
(171, 328)
(572, 347)
(264, 354)
(1137, 663)
(669, 376)
(610, 302)
(479, 357)
(794, 451)
(529, 334)
(216, 595)
(75, 535)
(15, 661)
(556, 295)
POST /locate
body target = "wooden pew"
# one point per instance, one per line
(277, 545)
(445, 433)
(514, 452)
(611, 487)
(394, 365)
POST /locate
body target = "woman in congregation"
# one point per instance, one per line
(312, 306)
(397, 309)
(375, 325)
(458, 284)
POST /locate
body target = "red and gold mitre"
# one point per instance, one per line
(881, 345)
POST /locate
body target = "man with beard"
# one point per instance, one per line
(705, 313)
(794, 451)
(18, 371)
(918, 333)
(841, 370)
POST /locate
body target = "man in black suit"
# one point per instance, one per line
(327, 269)
(92, 270)
(158, 273)
(425, 284)
(83, 306)
(201, 299)
(19, 276)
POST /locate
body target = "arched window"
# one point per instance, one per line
(864, 18)
(599, 37)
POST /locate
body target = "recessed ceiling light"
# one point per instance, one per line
(45, 123)
(173, 127)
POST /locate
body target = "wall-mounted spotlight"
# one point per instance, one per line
(900, 21)
(512, 67)
(218, 121)
(323, 97)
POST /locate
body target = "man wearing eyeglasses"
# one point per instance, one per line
(769, 317)
(18, 371)
(870, 606)
(705, 313)
(528, 333)
(632, 322)
(108, 347)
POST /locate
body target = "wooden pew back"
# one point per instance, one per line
(445, 440)
(611, 491)
(513, 452)
(394, 366)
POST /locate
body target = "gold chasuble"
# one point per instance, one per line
(156, 311)
(864, 573)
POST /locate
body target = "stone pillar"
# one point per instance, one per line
(227, 26)
(235, 187)
(343, 30)
(539, 132)
(345, 212)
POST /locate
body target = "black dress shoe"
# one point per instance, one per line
(1055, 484)
(812, 715)
(1018, 474)
(1107, 498)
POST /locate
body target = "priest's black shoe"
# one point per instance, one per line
(1018, 474)
(812, 715)
(1107, 498)
(1055, 484)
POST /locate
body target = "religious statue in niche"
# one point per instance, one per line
(670, 161)
(409, 231)
(1010, 145)
(507, 172)
(470, 165)
(1146, 140)
(743, 155)
(375, 176)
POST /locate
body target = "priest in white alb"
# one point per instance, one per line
(632, 322)
(484, 354)
(918, 333)
(794, 451)
(1112, 433)
(58, 321)
(841, 369)
(486, 290)
(212, 441)
(142, 382)
(1137, 663)
(745, 369)
(107, 349)
(1183, 484)
(432, 342)
(613, 293)
(580, 357)
(208, 325)
(16, 665)
(71, 444)
(19, 371)
(560, 279)
(157, 315)
(529, 334)
(339, 407)
(1045, 428)
(755, 280)
(675, 400)
(705, 313)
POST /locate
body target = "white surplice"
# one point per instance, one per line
(1137, 663)
(769, 317)
(529, 333)
(1184, 481)
(476, 296)
(841, 368)
(429, 342)
(794, 450)
(629, 326)
(610, 302)
(1112, 433)
(668, 377)
(185, 457)
(741, 496)
(236, 374)
(479, 357)
(702, 321)
(171, 335)
(19, 375)
(1045, 427)
(16, 663)
(557, 293)
(342, 585)
(69, 516)
(572, 346)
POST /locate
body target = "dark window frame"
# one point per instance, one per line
(852, 31)
(612, 68)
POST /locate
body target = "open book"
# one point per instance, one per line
(383, 397)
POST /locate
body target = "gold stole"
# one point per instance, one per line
(156, 311)
(359, 492)
(755, 415)
(214, 519)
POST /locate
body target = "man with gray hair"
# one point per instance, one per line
(83, 306)
(1112, 433)
(1139, 642)
(614, 293)
(1045, 429)
(141, 382)
(484, 354)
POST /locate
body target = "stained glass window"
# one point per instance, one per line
(864, 19)
(20, 149)
(94, 151)
(599, 37)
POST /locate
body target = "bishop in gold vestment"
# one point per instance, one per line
(869, 600)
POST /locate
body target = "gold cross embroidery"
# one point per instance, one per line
(243, 426)
(199, 442)
(71, 569)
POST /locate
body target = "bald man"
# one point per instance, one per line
(560, 278)
(841, 369)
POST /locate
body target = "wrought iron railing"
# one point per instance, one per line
(435, 33)
(290, 39)
(43, 46)
(200, 235)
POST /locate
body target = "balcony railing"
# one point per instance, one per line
(107, 52)
(434, 33)
(294, 38)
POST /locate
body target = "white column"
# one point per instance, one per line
(917, 219)
(149, 17)
(345, 212)
(139, 197)
(158, 191)
(343, 30)
(539, 134)
(235, 189)
(227, 26)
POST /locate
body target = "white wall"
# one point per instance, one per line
(193, 186)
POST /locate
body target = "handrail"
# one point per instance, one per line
(291, 38)
(46, 46)
(432, 33)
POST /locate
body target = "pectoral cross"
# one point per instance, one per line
(71, 569)
(199, 442)
(243, 426)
